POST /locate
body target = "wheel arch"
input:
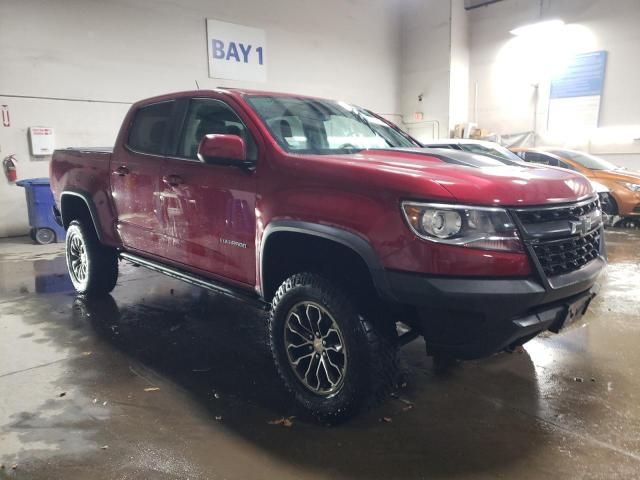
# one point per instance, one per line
(348, 241)
(77, 205)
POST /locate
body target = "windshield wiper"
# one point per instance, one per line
(364, 120)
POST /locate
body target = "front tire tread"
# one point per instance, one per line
(372, 364)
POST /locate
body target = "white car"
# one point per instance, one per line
(481, 147)
(498, 152)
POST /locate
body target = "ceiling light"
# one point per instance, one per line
(539, 28)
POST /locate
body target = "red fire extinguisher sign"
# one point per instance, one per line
(6, 119)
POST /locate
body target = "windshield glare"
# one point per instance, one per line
(586, 160)
(302, 125)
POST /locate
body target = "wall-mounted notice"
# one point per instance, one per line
(574, 99)
(42, 141)
(236, 52)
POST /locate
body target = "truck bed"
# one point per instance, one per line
(87, 149)
(85, 172)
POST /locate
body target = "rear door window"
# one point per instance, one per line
(150, 128)
(443, 145)
(540, 158)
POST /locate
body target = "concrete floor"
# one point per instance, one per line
(166, 381)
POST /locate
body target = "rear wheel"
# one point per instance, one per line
(93, 268)
(44, 236)
(329, 356)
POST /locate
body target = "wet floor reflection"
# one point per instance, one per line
(178, 382)
(217, 352)
(51, 276)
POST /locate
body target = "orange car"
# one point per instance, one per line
(623, 184)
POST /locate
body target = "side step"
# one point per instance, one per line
(197, 280)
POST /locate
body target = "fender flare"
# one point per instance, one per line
(86, 198)
(359, 245)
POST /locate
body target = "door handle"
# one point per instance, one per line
(122, 171)
(173, 180)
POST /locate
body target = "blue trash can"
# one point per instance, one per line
(44, 228)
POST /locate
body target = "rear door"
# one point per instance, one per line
(209, 210)
(136, 175)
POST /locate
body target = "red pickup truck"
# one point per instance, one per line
(339, 225)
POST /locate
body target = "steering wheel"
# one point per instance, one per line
(348, 146)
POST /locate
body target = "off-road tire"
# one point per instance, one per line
(371, 367)
(101, 262)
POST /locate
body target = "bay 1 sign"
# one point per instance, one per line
(236, 52)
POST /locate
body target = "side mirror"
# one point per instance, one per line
(222, 149)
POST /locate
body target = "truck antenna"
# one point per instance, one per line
(198, 86)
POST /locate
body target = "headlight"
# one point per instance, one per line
(441, 223)
(475, 227)
(634, 187)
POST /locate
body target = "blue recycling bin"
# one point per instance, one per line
(44, 228)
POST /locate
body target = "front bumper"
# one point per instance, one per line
(472, 318)
(628, 202)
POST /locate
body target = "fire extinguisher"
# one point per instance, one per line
(9, 166)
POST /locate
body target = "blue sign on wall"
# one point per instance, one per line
(583, 77)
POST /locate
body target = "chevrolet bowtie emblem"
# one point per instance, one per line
(581, 226)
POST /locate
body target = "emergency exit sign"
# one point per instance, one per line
(236, 52)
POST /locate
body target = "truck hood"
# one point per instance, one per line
(469, 178)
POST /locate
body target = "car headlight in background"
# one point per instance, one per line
(634, 187)
(474, 227)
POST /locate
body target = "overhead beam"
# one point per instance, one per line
(471, 4)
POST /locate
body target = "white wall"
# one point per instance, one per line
(425, 50)
(124, 50)
(505, 74)
(434, 62)
(459, 59)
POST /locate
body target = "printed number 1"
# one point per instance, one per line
(259, 50)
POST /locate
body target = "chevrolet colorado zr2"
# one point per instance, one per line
(339, 225)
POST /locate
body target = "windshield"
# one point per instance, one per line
(303, 125)
(496, 151)
(586, 160)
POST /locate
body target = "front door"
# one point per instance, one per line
(135, 179)
(209, 210)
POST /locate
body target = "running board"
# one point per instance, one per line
(196, 280)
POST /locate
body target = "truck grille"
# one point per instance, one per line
(564, 238)
(569, 212)
(568, 254)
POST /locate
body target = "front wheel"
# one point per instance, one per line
(329, 356)
(93, 268)
(628, 222)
